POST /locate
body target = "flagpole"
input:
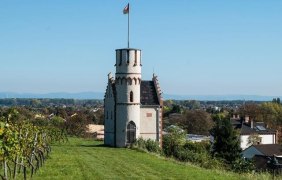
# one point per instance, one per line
(128, 27)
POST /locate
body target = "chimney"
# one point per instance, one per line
(247, 118)
(252, 124)
(276, 136)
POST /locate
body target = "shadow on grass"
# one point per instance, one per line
(95, 145)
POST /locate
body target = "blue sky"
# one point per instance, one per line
(196, 47)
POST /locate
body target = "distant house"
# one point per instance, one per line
(197, 138)
(263, 150)
(263, 154)
(248, 128)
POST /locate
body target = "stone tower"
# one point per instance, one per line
(128, 80)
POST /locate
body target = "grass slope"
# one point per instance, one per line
(88, 159)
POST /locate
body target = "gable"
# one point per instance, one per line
(251, 152)
(110, 91)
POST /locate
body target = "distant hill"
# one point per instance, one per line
(221, 97)
(81, 95)
(100, 95)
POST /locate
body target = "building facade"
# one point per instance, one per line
(257, 132)
(133, 107)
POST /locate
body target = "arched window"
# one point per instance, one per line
(123, 80)
(135, 81)
(129, 81)
(131, 132)
(131, 96)
(117, 81)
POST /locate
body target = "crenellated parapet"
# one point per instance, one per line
(128, 61)
(111, 89)
(158, 89)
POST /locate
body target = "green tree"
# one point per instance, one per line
(276, 100)
(175, 109)
(196, 122)
(226, 143)
(173, 140)
(254, 139)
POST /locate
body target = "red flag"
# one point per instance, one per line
(126, 9)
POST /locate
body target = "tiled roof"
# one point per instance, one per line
(246, 129)
(148, 93)
(269, 149)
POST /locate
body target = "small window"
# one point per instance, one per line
(135, 62)
(149, 114)
(120, 58)
(127, 56)
(131, 96)
(107, 115)
(111, 114)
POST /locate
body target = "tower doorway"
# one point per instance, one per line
(130, 132)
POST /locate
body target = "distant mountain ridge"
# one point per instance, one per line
(65, 95)
(100, 95)
(221, 97)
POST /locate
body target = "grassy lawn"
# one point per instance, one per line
(88, 159)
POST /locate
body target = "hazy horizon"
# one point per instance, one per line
(100, 95)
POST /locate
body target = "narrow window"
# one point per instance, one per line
(129, 81)
(131, 96)
(140, 59)
(127, 56)
(107, 115)
(120, 58)
(135, 62)
(111, 114)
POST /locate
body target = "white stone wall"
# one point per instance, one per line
(109, 116)
(265, 139)
(150, 123)
(126, 113)
(268, 139)
(123, 92)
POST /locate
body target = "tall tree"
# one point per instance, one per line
(226, 143)
(196, 122)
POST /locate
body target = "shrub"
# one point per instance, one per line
(197, 147)
(243, 166)
(147, 145)
(202, 159)
(173, 141)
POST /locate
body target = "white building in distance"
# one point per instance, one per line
(247, 128)
(133, 107)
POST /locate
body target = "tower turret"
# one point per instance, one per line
(128, 80)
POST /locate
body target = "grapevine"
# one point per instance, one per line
(24, 146)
